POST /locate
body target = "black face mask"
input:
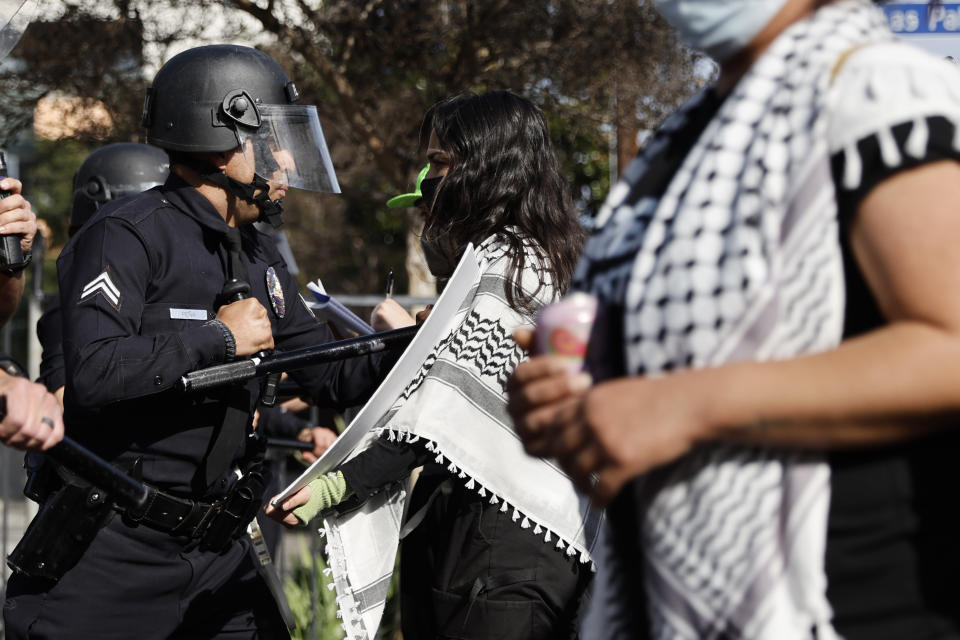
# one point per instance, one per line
(439, 258)
(428, 190)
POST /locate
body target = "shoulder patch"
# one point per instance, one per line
(136, 208)
(104, 286)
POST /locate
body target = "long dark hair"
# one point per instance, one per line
(503, 179)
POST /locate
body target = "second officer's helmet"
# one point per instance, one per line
(115, 171)
(221, 97)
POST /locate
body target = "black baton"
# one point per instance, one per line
(234, 291)
(243, 370)
(123, 489)
(289, 443)
(90, 467)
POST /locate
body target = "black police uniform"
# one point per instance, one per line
(274, 422)
(139, 285)
(50, 335)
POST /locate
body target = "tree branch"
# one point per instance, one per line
(362, 124)
(352, 39)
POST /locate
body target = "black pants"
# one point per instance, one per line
(140, 583)
(470, 572)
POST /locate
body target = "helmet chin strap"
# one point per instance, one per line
(271, 211)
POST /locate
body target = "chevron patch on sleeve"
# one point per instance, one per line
(104, 286)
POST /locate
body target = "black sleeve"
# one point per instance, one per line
(383, 463)
(863, 312)
(277, 423)
(875, 170)
(11, 367)
(50, 334)
(104, 274)
(339, 385)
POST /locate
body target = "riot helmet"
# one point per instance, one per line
(115, 171)
(218, 98)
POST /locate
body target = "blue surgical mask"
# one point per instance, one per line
(719, 28)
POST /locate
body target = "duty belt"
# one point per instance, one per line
(215, 523)
(173, 515)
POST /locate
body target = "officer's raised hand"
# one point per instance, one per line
(250, 325)
(16, 215)
(16, 218)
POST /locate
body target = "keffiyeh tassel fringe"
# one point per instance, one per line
(524, 520)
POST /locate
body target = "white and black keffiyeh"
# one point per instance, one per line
(740, 260)
(456, 407)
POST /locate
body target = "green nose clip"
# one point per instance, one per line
(405, 200)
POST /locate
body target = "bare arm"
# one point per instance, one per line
(11, 290)
(390, 315)
(894, 383)
(16, 217)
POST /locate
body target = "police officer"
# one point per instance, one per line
(108, 173)
(152, 288)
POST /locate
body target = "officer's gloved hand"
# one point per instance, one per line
(326, 491)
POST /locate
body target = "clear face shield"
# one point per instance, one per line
(288, 148)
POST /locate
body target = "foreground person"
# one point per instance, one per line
(773, 423)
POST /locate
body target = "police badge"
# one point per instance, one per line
(276, 293)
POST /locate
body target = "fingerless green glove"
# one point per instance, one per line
(325, 492)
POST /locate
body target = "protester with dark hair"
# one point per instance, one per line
(773, 414)
(493, 158)
(497, 544)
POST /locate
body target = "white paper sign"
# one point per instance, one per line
(332, 309)
(436, 326)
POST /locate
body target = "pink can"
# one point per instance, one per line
(563, 329)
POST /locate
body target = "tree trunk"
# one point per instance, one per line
(422, 282)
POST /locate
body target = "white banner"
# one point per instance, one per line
(433, 330)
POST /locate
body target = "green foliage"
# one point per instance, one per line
(50, 285)
(48, 182)
(585, 158)
(314, 606)
(349, 240)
